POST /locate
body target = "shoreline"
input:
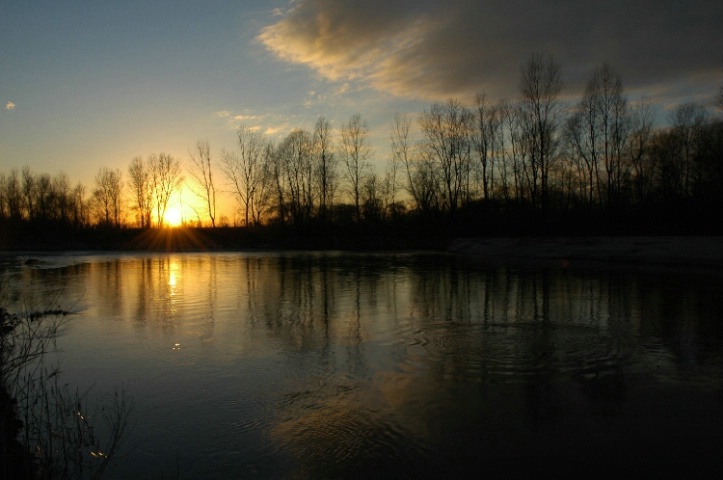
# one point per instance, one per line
(663, 250)
(680, 251)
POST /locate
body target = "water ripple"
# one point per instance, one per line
(333, 441)
(518, 350)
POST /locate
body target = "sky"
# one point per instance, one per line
(86, 84)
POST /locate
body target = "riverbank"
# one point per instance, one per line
(688, 251)
(188, 239)
(698, 250)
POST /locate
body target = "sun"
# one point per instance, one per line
(173, 217)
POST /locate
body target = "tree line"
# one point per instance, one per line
(536, 152)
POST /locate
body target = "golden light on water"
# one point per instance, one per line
(174, 276)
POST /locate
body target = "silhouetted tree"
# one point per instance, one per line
(372, 205)
(606, 90)
(61, 198)
(710, 164)
(166, 177)
(78, 207)
(540, 84)
(642, 117)
(325, 166)
(513, 157)
(447, 145)
(390, 187)
(355, 152)
(142, 190)
(13, 199)
(687, 121)
(295, 179)
(487, 141)
(403, 154)
(29, 191)
(247, 170)
(201, 169)
(43, 197)
(107, 197)
(4, 209)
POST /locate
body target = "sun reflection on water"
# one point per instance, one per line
(174, 277)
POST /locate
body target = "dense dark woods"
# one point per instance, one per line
(534, 165)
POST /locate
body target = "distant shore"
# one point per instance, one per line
(698, 250)
(682, 251)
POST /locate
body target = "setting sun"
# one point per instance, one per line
(173, 217)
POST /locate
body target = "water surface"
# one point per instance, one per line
(310, 365)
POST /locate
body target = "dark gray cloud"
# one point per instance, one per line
(437, 49)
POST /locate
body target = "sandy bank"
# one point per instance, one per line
(690, 251)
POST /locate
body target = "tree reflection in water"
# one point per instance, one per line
(333, 365)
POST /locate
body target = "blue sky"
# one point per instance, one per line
(87, 84)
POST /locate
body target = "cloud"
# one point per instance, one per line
(246, 118)
(271, 124)
(10, 106)
(434, 49)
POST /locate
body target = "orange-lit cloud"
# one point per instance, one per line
(271, 124)
(10, 106)
(434, 50)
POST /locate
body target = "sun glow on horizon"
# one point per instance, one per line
(173, 217)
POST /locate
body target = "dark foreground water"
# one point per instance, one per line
(393, 366)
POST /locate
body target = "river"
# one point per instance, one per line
(405, 365)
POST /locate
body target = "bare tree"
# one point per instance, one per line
(142, 190)
(247, 171)
(4, 210)
(447, 129)
(399, 167)
(43, 196)
(402, 151)
(79, 208)
(372, 205)
(540, 84)
(14, 195)
(642, 117)
(166, 178)
(512, 149)
(487, 141)
(107, 195)
(295, 179)
(422, 181)
(10, 197)
(606, 90)
(61, 197)
(501, 155)
(29, 190)
(390, 187)
(582, 152)
(687, 122)
(325, 167)
(355, 150)
(202, 171)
